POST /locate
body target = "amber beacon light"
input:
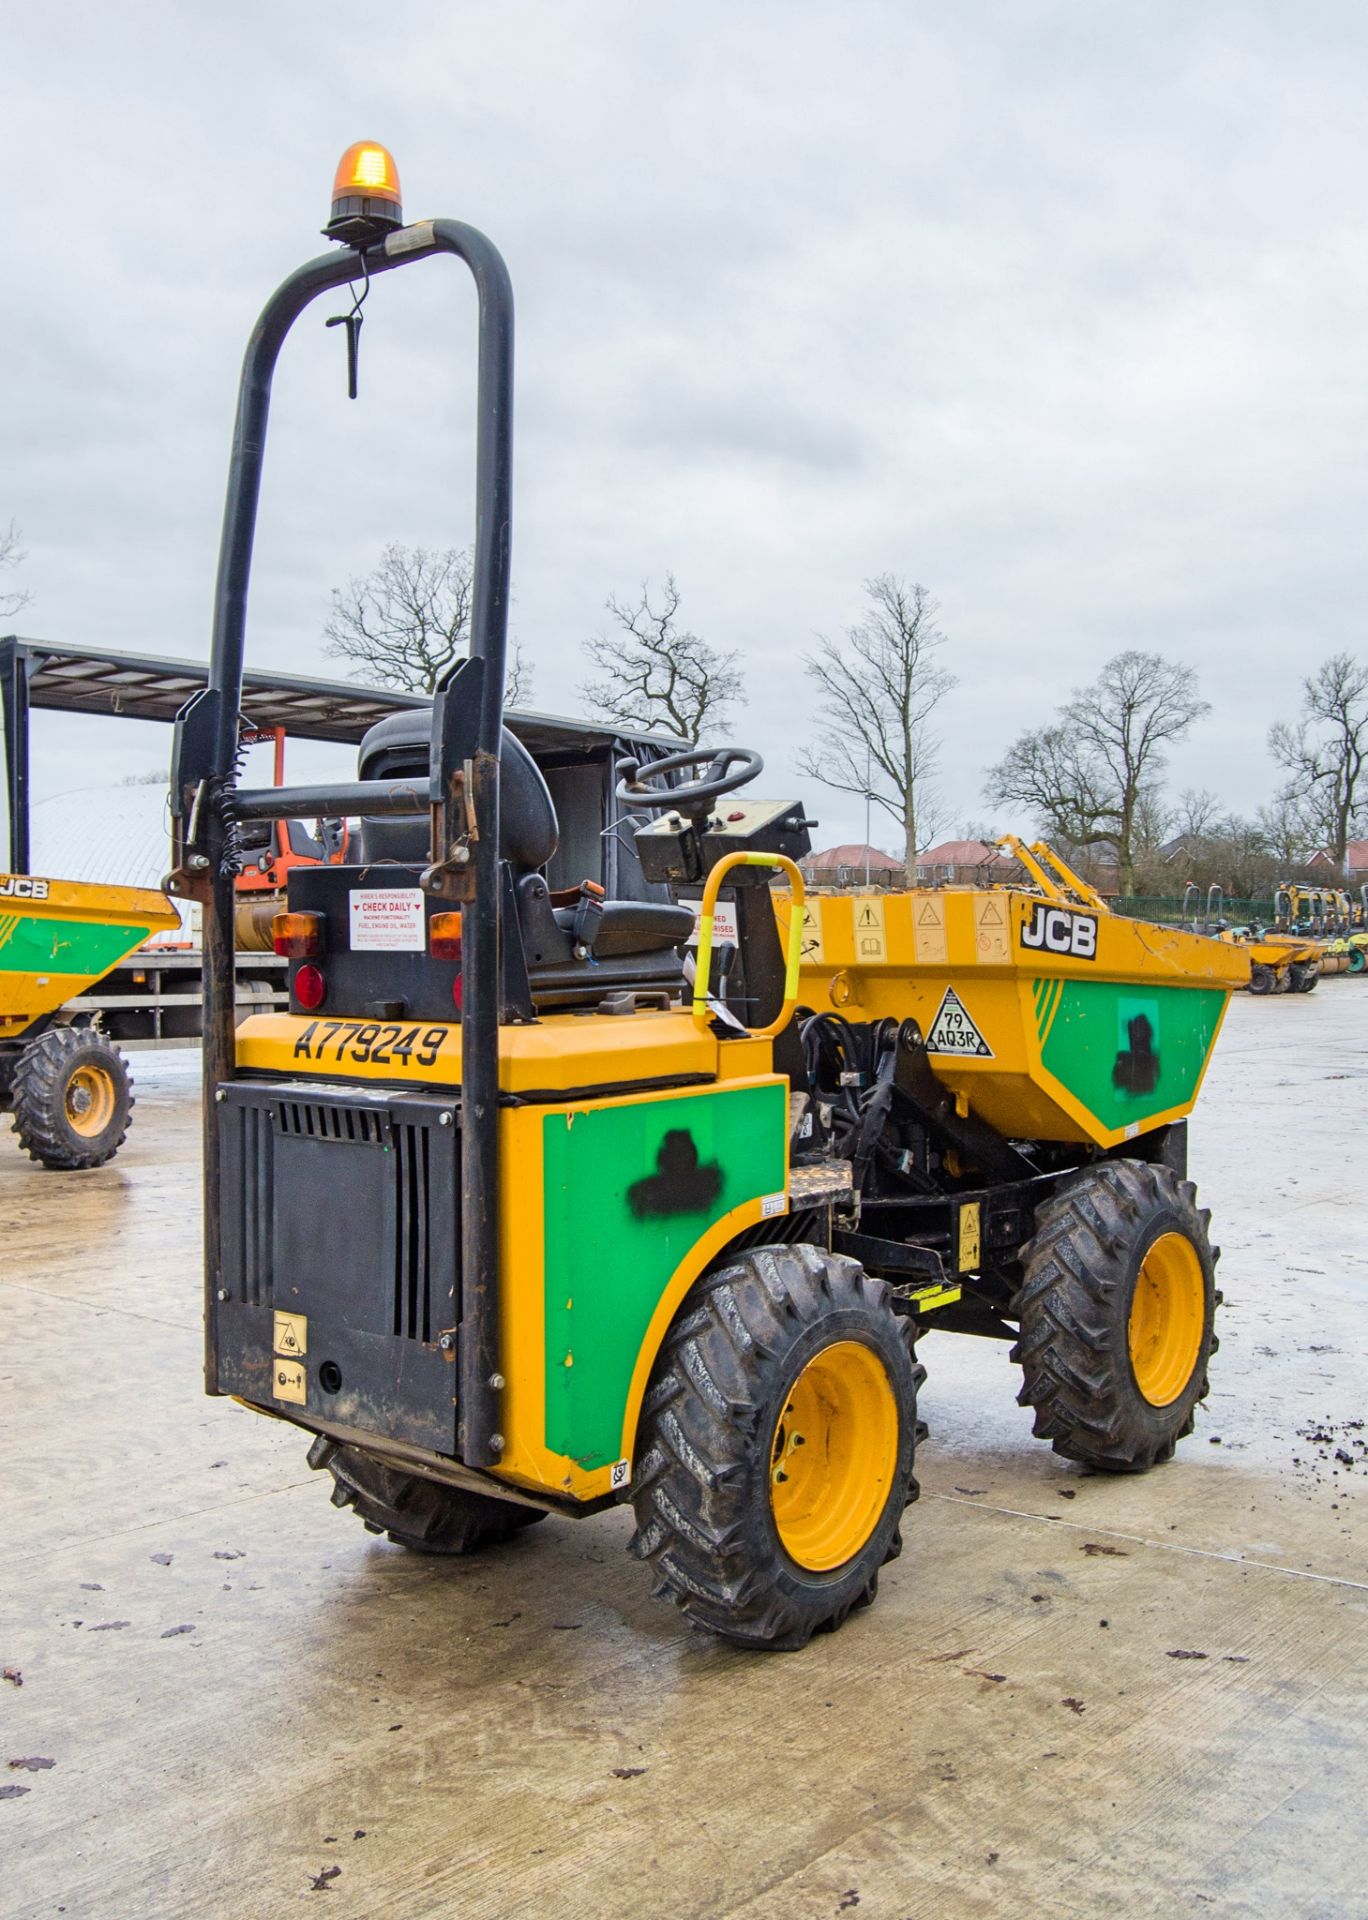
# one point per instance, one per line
(366, 199)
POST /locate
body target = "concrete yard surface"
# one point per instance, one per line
(1077, 1695)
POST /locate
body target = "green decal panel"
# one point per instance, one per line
(1128, 1051)
(35, 943)
(629, 1190)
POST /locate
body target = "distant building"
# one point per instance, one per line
(1355, 870)
(853, 866)
(963, 863)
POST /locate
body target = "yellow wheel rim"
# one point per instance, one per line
(833, 1456)
(1167, 1319)
(90, 1101)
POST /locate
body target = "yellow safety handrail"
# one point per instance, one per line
(706, 911)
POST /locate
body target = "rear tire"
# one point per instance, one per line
(72, 1096)
(1260, 978)
(1304, 977)
(776, 1447)
(413, 1511)
(1117, 1309)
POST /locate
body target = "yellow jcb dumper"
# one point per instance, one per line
(537, 1201)
(67, 1086)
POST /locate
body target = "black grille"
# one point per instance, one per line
(254, 1194)
(343, 1208)
(412, 1229)
(360, 1125)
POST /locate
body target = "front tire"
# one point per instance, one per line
(1117, 1312)
(72, 1096)
(423, 1515)
(776, 1447)
(1261, 977)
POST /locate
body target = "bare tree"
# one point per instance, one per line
(1326, 751)
(879, 686)
(654, 673)
(408, 621)
(1198, 814)
(1288, 832)
(1093, 776)
(12, 555)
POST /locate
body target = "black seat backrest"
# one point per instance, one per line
(400, 747)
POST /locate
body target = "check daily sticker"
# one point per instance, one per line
(387, 920)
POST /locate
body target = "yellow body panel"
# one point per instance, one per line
(561, 1053)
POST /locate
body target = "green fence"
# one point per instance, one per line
(1168, 910)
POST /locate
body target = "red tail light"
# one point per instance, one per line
(310, 988)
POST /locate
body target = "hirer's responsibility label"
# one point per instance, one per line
(387, 920)
(724, 922)
(953, 1030)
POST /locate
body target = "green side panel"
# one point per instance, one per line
(86, 948)
(629, 1190)
(1129, 1052)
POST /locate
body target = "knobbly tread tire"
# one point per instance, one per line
(1261, 977)
(413, 1511)
(701, 1489)
(1074, 1308)
(38, 1098)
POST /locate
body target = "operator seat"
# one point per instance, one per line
(399, 748)
(575, 952)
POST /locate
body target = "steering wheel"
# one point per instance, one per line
(638, 787)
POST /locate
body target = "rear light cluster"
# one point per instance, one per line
(444, 943)
(299, 936)
(444, 936)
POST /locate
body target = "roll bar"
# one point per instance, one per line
(463, 797)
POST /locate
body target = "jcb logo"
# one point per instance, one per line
(19, 886)
(1055, 930)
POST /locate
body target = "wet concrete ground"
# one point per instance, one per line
(1076, 1696)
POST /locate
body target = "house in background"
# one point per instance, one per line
(853, 866)
(963, 863)
(978, 863)
(1355, 871)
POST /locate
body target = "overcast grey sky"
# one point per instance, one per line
(1056, 306)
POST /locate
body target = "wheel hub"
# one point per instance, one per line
(1167, 1318)
(89, 1101)
(833, 1456)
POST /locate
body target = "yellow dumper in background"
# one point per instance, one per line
(67, 1086)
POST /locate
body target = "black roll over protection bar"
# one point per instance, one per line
(463, 796)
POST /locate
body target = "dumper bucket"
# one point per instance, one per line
(1052, 1021)
(58, 937)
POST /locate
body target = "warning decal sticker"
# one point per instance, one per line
(870, 942)
(952, 1030)
(929, 917)
(291, 1334)
(990, 928)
